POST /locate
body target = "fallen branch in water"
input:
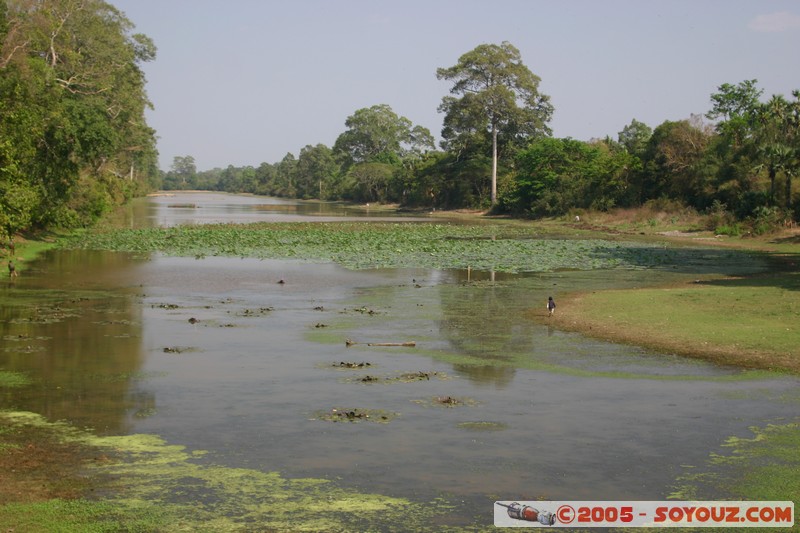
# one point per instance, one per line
(348, 342)
(412, 343)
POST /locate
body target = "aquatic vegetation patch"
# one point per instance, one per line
(46, 315)
(28, 348)
(358, 245)
(125, 377)
(446, 401)
(146, 412)
(352, 364)
(363, 310)
(483, 426)
(338, 414)
(10, 380)
(408, 377)
(405, 344)
(404, 377)
(165, 306)
(25, 338)
(150, 485)
(763, 467)
(249, 313)
(180, 349)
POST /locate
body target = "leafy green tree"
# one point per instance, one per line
(497, 94)
(675, 164)
(634, 137)
(208, 180)
(556, 175)
(184, 172)
(756, 139)
(551, 172)
(283, 184)
(613, 183)
(316, 172)
(265, 178)
(372, 181)
(378, 132)
(735, 105)
(72, 107)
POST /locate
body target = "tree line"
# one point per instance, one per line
(736, 162)
(73, 137)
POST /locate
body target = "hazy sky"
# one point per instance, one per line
(241, 82)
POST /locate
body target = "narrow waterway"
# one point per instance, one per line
(241, 357)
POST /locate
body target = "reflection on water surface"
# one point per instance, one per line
(172, 209)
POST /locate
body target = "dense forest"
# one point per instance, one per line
(73, 137)
(74, 141)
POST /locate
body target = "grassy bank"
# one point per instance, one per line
(747, 320)
(26, 248)
(744, 321)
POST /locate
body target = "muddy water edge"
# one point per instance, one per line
(248, 360)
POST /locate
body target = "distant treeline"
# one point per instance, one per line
(736, 162)
(73, 137)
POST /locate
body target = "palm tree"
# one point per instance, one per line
(777, 138)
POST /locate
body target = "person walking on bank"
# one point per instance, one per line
(551, 306)
(12, 270)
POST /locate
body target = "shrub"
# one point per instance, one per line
(732, 230)
(718, 217)
(767, 219)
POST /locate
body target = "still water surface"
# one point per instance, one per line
(108, 341)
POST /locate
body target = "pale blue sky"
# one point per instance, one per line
(243, 82)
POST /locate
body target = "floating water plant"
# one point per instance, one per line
(446, 401)
(352, 365)
(359, 245)
(355, 415)
(179, 349)
(405, 377)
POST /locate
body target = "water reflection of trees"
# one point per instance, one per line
(483, 318)
(81, 346)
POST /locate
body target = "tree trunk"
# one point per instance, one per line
(788, 191)
(494, 164)
(772, 173)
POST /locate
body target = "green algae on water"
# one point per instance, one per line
(765, 467)
(10, 380)
(156, 486)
